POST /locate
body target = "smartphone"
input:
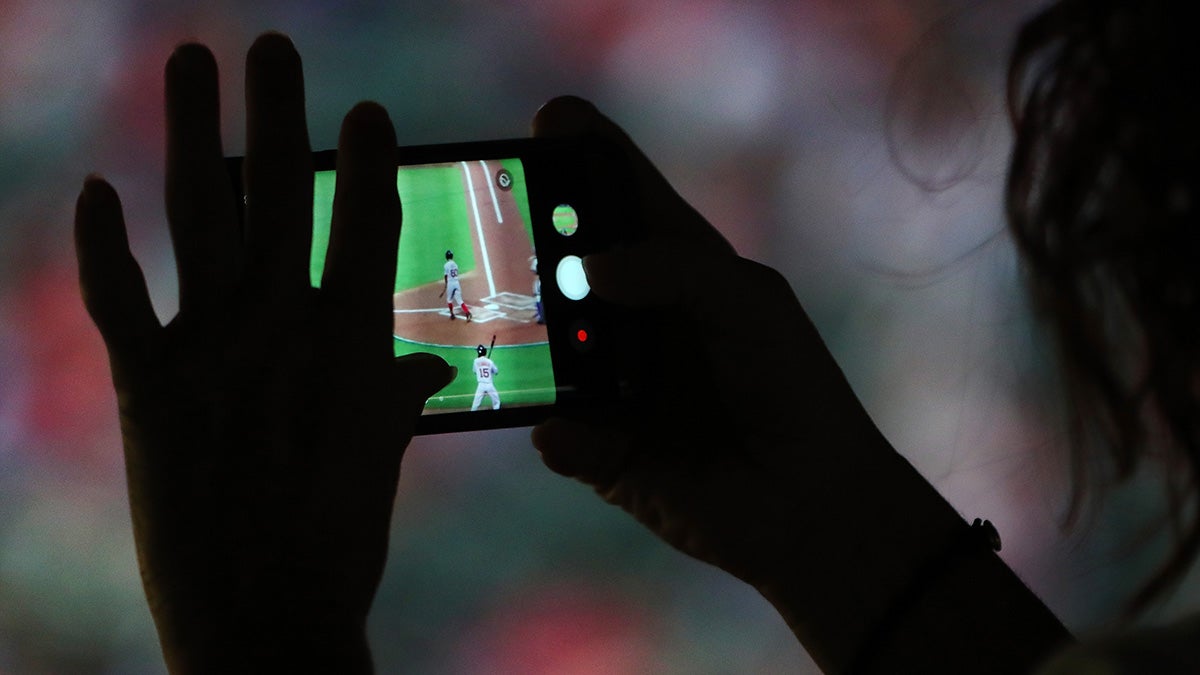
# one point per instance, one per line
(489, 273)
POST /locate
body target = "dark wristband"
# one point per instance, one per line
(974, 541)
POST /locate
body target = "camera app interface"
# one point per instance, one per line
(466, 281)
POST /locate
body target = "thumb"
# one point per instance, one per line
(419, 376)
(114, 289)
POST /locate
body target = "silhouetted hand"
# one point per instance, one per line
(752, 452)
(264, 425)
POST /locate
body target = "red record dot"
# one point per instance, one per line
(582, 335)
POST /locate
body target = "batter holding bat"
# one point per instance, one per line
(485, 375)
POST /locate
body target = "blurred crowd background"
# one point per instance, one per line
(857, 146)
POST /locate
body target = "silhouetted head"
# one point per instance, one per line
(1102, 201)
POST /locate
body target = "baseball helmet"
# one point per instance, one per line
(481, 350)
(449, 254)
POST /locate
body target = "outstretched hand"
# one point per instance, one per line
(264, 425)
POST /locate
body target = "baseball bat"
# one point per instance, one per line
(493, 345)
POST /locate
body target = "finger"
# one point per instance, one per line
(360, 267)
(622, 277)
(114, 290)
(278, 173)
(414, 378)
(419, 376)
(593, 454)
(200, 200)
(665, 212)
(732, 349)
(671, 268)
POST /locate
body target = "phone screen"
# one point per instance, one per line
(467, 287)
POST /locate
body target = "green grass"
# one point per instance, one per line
(323, 185)
(523, 378)
(435, 219)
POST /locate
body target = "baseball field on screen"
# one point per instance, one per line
(439, 215)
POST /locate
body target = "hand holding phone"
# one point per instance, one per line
(748, 449)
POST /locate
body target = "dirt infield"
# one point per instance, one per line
(502, 305)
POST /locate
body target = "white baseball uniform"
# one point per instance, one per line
(453, 289)
(485, 373)
(537, 291)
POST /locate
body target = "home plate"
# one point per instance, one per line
(493, 306)
(511, 300)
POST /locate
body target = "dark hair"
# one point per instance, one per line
(1102, 202)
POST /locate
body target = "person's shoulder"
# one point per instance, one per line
(1163, 650)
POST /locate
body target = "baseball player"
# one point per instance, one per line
(537, 291)
(452, 290)
(485, 375)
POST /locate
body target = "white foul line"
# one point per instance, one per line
(492, 189)
(487, 263)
